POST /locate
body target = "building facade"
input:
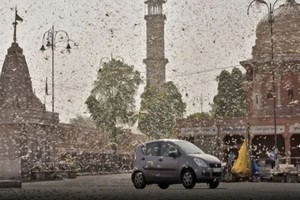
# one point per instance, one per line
(273, 91)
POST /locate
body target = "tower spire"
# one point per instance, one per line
(15, 23)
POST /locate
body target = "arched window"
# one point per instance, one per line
(269, 94)
(269, 88)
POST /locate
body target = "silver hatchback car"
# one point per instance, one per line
(172, 161)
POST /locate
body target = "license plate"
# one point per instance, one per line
(217, 169)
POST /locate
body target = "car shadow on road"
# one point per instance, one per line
(197, 188)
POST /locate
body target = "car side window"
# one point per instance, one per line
(152, 149)
(167, 148)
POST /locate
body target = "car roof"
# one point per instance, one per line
(163, 140)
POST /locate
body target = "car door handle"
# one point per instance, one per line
(142, 158)
(160, 159)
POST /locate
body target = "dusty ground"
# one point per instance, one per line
(119, 186)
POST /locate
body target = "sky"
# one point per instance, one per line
(201, 39)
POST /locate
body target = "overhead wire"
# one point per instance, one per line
(205, 71)
(77, 85)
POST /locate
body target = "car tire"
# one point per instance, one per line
(213, 184)
(138, 180)
(163, 185)
(188, 179)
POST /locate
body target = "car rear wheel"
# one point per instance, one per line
(163, 185)
(228, 177)
(213, 184)
(139, 181)
(188, 179)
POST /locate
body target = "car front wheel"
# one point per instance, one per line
(139, 181)
(188, 179)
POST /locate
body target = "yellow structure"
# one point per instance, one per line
(242, 165)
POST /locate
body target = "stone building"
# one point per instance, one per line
(27, 130)
(155, 61)
(278, 62)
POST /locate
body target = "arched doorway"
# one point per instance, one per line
(262, 144)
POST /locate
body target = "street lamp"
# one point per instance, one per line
(270, 7)
(201, 99)
(50, 39)
(183, 89)
(105, 60)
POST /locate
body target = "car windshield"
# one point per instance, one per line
(188, 147)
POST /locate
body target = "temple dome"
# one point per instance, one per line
(286, 33)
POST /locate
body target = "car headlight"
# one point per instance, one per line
(200, 162)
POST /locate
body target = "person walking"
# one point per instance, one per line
(231, 158)
(272, 156)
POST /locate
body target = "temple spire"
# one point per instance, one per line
(15, 23)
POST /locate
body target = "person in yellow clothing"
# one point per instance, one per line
(242, 165)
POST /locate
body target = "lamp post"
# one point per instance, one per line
(104, 61)
(50, 40)
(201, 99)
(270, 7)
(183, 89)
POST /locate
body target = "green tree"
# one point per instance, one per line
(112, 100)
(231, 98)
(239, 107)
(199, 116)
(160, 106)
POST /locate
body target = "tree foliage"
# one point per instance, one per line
(199, 116)
(112, 100)
(231, 98)
(160, 106)
(83, 121)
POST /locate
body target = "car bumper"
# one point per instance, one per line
(207, 174)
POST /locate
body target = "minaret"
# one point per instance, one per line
(155, 61)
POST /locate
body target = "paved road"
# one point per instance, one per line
(119, 186)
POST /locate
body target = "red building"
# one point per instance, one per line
(273, 61)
